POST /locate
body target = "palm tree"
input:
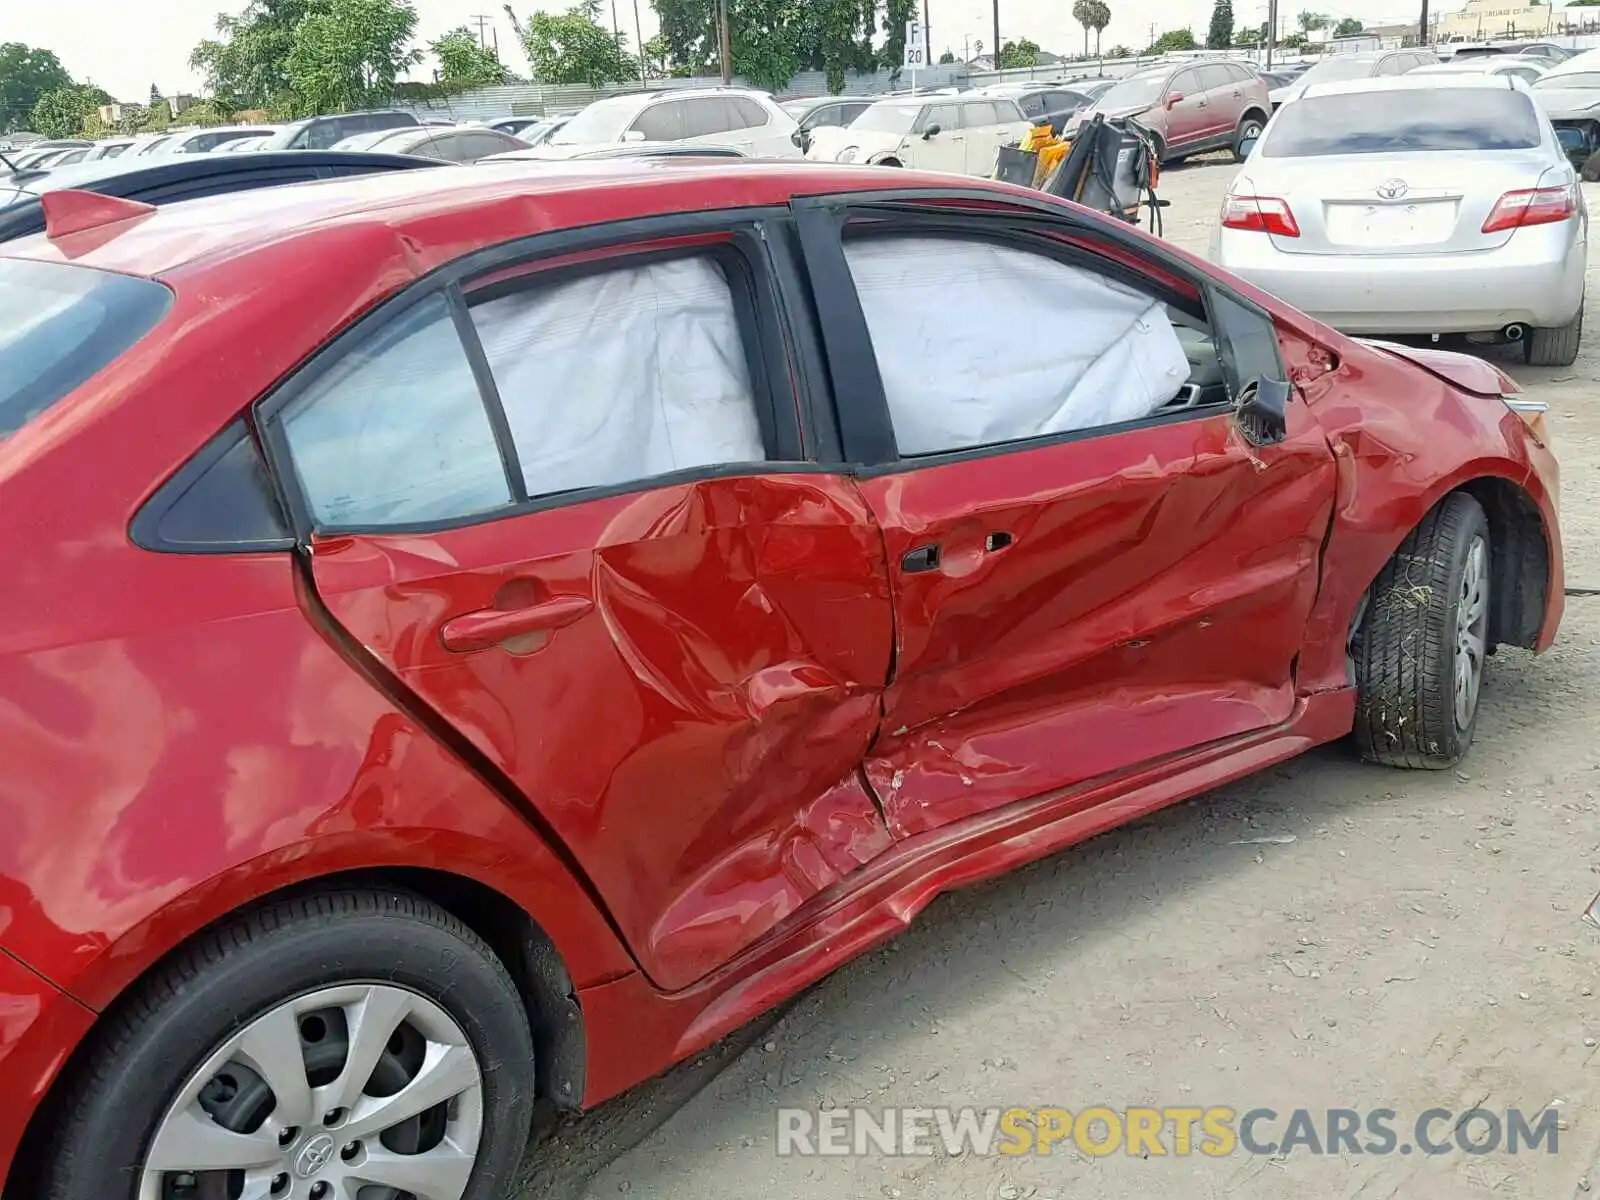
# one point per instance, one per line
(1100, 18)
(1083, 14)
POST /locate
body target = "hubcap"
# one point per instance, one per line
(358, 1092)
(1472, 625)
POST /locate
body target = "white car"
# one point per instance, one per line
(747, 120)
(205, 140)
(961, 134)
(1529, 70)
(1416, 205)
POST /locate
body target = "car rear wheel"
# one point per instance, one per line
(352, 1044)
(1422, 644)
(1554, 347)
(1250, 128)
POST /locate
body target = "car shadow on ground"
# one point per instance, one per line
(993, 936)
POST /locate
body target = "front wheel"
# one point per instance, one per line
(1421, 648)
(342, 1045)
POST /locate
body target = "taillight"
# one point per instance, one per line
(1533, 206)
(1260, 214)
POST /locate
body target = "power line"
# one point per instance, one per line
(482, 21)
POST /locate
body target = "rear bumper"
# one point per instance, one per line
(1536, 278)
(39, 1026)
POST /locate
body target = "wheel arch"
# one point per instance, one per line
(524, 948)
(1520, 548)
(1254, 110)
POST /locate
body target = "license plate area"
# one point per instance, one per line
(1421, 223)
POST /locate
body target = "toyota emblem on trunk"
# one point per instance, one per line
(1392, 189)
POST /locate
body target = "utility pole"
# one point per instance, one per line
(725, 42)
(996, 48)
(616, 30)
(1422, 29)
(1272, 29)
(927, 36)
(481, 21)
(638, 33)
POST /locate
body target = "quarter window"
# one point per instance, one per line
(747, 113)
(397, 431)
(661, 122)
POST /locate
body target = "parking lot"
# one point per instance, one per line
(1399, 940)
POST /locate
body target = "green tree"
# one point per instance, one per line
(1310, 22)
(1083, 14)
(64, 111)
(26, 74)
(1295, 41)
(1220, 35)
(247, 66)
(573, 47)
(1099, 18)
(949, 56)
(1020, 53)
(155, 96)
(1173, 39)
(1351, 26)
(347, 54)
(464, 63)
(1120, 52)
(895, 15)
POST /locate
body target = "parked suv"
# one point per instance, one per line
(1053, 102)
(1190, 108)
(741, 118)
(958, 133)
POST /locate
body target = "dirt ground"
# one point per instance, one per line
(1417, 945)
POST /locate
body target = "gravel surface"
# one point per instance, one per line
(1417, 945)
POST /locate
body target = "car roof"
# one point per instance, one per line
(157, 171)
(1411, 82)
(401, 217)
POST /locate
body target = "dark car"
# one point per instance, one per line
(320, 133)
(1191, 107)
(164, 181)
(1039, 102)
(1547, 52)
(823, 112)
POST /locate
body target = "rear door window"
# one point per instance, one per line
(1442, 118)
(661, 122)
(60, 325)
(747, 113)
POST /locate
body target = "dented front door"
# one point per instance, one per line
(1091, 605)
(683, 681)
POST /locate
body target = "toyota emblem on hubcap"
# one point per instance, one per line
(1392, 189)
(313, 1156)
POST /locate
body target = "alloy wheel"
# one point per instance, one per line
(1472, 625)
(355, 1092)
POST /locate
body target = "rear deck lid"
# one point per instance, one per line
(1402, 172)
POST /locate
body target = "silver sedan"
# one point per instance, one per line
(1415, 205)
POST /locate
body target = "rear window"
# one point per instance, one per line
(60, 325)
(1385, 122)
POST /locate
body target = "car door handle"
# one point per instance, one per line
(488, 627)
(923, 558)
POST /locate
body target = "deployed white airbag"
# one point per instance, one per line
(622, 375)
(979, 343)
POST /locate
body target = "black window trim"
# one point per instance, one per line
(145, 531)
(860, 405)
(778, 409)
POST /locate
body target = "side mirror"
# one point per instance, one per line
(1246, 146)
(634, 135)
(1262, 411)
(929, 132)
(1175, 99)
(798, 138)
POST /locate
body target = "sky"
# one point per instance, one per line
(125, 47)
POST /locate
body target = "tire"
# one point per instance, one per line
(1408, 663)
(1249, 127)
(1554, 347)
(888, 162)
(388, 953)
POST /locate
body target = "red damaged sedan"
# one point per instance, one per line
(472, 635)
